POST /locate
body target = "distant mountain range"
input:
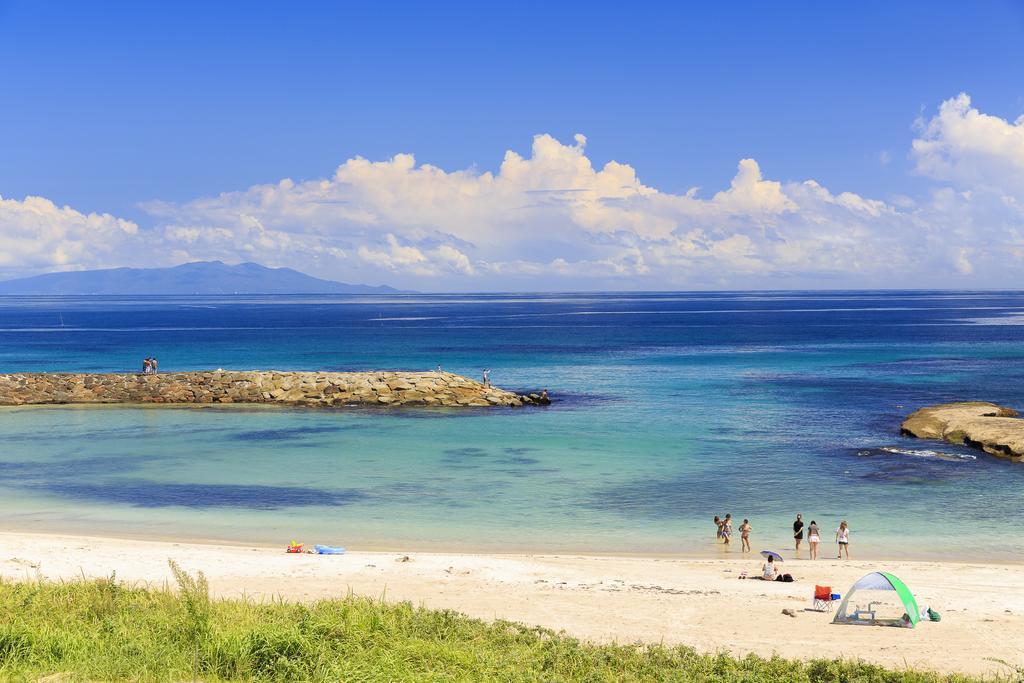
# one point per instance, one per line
(201, 277)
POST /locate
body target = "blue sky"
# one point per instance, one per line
(143, 115)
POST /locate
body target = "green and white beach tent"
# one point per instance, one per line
(879, 581)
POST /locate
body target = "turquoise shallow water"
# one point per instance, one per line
(669, 409)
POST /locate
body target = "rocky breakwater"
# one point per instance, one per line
(987, 426)
(287, 388)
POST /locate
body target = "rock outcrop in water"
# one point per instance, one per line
(264, 386)
(987, 426)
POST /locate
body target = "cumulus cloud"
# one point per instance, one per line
(751, 194)
(36, 235)
(971, 149)
(549, 214)
(552, 219)
(426, 262)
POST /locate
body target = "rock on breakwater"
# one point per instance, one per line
(257, 386)
(992, 428)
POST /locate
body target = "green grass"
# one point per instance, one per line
(103, 630)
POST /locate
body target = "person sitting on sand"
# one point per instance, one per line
(843, 539)
(745, 530)
(769, 572)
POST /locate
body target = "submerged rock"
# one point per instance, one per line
(989, 427)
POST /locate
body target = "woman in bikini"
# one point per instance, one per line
(813, 539)
(843, 539)
(745, 530)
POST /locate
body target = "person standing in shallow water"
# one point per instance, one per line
(727, 529)
(718, 528)
(745, 530)
(798, 533)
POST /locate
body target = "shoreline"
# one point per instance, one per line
(712, 551)
(694, 601)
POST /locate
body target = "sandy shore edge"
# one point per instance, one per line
(692, 601)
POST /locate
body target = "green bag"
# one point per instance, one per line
(933, 615)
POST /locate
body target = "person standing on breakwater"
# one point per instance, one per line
(843, 539)
(487, 377)
(798, 533)
(745, 530)
(145, 365)
(152, 365)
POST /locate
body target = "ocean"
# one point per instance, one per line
(669, 408)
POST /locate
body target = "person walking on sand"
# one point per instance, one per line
(745, 530)
(843, 539)
(813, 539)
(727, 529)
(798, 533)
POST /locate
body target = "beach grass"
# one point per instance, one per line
(104, 630)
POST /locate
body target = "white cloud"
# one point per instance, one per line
(971, 149)
(552, 219)
(749, 193)
(36, 235)
(425, 262)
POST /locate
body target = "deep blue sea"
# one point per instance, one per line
(669, 409)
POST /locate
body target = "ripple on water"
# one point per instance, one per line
(916, 453)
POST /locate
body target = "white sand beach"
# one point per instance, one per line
(697, 602)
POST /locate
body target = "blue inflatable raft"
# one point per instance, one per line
(329, 550)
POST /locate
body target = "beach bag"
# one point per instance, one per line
(933, 615)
